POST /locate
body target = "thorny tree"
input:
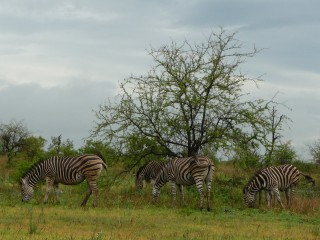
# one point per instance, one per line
(194, 96)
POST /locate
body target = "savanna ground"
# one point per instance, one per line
(124, 213)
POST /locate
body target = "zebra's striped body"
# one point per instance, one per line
(64, 170)
(150, 171)
(273, 180)
(187, 171)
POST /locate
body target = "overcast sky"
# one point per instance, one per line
(59, 60)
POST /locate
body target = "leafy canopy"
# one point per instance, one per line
(193, 96)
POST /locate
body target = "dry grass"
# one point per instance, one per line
(304, 205)
(150, 222)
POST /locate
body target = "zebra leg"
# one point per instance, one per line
(208, 196)
(208, 181)
(173, 192)
(89, 191)
(95, 191)
(57, 191)
(182, 194)
(277, 194)
(199, 185)
(84, 202)
(268, 198)
(49, 183)
(289, 193)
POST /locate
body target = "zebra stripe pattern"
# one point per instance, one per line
(149, 172)
(64, 170)
(186, 171)
(273, 180)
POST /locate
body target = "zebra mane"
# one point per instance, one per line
(250, 180)
(33, 167)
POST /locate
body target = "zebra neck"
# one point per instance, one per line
(34, 175)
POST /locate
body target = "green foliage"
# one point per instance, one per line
(101, 149)
(19, 167)
(246, 156)
(282, 154)
(192, 98)
(58, 147)
(33, 149)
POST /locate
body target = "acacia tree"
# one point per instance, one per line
(194, 96)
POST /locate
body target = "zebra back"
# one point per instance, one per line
(183, 170)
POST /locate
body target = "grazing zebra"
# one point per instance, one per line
(65, 170)
(273, 180)
(186, 171)
(149, 172)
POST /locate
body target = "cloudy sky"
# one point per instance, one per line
(59, 60)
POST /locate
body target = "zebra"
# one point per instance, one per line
(272, 180)
(186, 171)
(64, 170)
(149, 172)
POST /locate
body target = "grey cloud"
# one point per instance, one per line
(50, 112)
(61, 59)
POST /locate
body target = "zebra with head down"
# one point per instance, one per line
(273, 180)
(149, 172)
(65, 170)
(187, 171)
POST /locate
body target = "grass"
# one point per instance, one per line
(126, 214)
(152, 222)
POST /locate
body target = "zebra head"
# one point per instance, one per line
(26, 190)
(249, 197)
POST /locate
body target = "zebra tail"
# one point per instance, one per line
(105, 166)
(309, 179)
(100, 155)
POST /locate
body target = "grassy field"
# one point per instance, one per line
(151, 222)
(124, 213)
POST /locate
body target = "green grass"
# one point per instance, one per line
(26, 221)
(124, 213)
